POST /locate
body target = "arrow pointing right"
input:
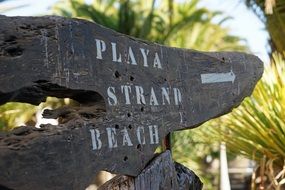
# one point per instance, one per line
(218, 77)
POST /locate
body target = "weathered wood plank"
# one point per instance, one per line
(187, 179)
(52, 157)
(147, 90)
(161, 173)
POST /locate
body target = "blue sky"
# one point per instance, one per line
(244, 23)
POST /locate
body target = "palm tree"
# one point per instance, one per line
(170, 23)
(257, 128)
(272, 13)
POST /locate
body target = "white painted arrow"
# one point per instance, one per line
(218, 77)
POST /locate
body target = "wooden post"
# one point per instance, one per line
(161, 173)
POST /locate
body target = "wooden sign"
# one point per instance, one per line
(148, 90)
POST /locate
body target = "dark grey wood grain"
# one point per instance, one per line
(147, 90)
(161, 174)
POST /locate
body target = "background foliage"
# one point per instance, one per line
(256, 129)
(272, 13)
(166, 22)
